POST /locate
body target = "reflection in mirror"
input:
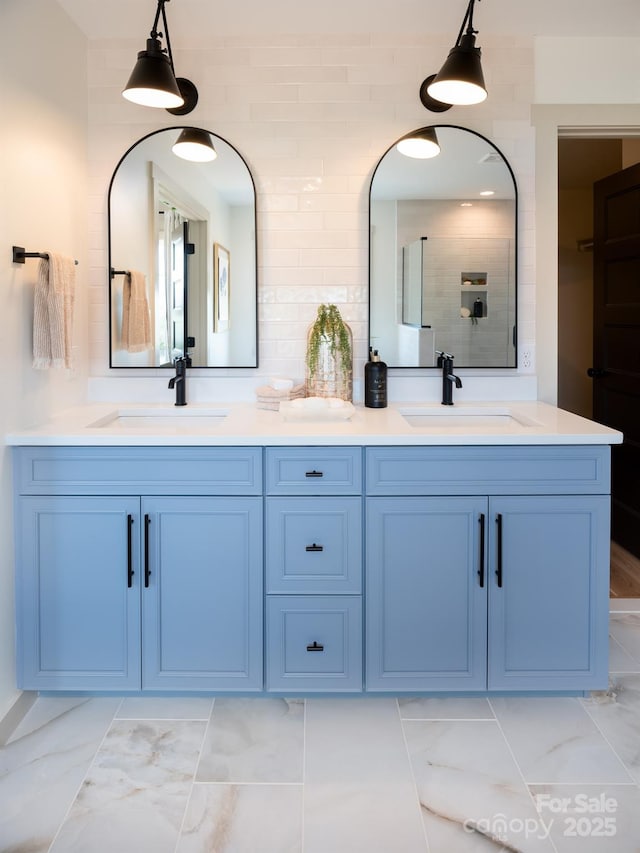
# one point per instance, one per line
(442, 255)
(182, 255)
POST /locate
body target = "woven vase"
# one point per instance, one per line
(330, 378)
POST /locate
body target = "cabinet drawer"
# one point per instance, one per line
(314, 471)
(547, 470)
(139, 470)
(314, 643)
(314, 544)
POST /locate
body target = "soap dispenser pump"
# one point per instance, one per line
(375, 382)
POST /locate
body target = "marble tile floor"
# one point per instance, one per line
(334, 775)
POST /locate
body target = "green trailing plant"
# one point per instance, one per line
(330, 328)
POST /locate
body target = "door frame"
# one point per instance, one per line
(551, 121)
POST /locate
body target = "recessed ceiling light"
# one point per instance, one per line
(466, 204)
(488, 192)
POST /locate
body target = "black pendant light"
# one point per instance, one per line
(421, 144)
(153, 82)
(194, 144)
(460, 81)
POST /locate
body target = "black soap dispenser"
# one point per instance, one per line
(375, 382)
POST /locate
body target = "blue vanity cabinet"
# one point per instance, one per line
(473, 584)
(78, 593)
(202, 593)
(426, 607)
(313, 569)
(129, 577)
(548, 591)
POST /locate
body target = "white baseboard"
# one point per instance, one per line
(14, 715)
(624, 605)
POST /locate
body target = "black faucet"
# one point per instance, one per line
(179, 381)
(445, 361)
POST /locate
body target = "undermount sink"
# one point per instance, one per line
(176, 418)
(466, 417)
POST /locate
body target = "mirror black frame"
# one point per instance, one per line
(436, 127)
(110, 267)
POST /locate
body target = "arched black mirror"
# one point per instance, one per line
(182, 256)
(443, 253)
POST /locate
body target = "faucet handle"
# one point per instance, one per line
(442, 356)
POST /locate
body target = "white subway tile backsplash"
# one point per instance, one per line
(331, 202)
(283, 56)
(297, 221)
(312, 115)
(357, 56)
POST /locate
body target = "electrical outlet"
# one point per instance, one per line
(527, 359)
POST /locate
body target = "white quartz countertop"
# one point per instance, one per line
(410, 423)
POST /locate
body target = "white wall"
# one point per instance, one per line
(579, 83)
(587, 70)
(43, 204)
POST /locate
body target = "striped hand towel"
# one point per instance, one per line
(53, 312)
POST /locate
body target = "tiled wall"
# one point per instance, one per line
(465, 240)
(312, 115)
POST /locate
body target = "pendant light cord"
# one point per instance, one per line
(154, 31)
(468, 22)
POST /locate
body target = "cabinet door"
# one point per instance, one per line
(548, 612)
(426, 600)
(78, 594)
(202, 596)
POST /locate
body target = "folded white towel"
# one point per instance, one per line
(53, 312)
(136, 323)
(280, 384)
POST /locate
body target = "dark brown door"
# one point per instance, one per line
(616, 340)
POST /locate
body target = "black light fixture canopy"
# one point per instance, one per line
(153, 82)
(460, 81)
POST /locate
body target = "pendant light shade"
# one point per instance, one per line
(460, 81)
(153, 81)
(421, 144)
(194, 144)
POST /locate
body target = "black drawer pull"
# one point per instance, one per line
(314, 474)
(499, 568)
(130, 572)
(314, 547)
(481, 569)
(315, 647)
(147, 570)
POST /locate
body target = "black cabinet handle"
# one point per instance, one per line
(314, 474)
(314, 547)
(481, 569)
(130, 572)
(315, 647)
(596, 372)
(499, 568)
(147, 570)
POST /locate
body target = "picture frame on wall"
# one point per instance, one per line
(221, 288)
